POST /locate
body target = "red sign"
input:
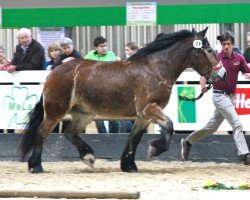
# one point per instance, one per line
(242, 101)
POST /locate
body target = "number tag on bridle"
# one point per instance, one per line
(197, 44)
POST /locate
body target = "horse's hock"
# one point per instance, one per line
(217, 148)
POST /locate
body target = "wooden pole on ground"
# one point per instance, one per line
(70, 194)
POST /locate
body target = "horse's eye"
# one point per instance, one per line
(209, 50)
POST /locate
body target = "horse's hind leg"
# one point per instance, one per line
(128, 155)
(72, 132)
(162, 144)
(34, 162)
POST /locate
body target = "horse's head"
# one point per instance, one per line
(202, 56)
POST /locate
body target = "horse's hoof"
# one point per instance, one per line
(89, 159)
(130, 169)
(35, 170)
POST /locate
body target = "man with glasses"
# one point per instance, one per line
(101, 53)
(223, 94)
(29, 53)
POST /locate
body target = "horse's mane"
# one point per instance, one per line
(162, 41)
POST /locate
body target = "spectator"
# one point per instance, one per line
(3, 61)
(29, 53)
(101, 53)
(69, 52)
(130, 49)
(54, 52)
(247, 50)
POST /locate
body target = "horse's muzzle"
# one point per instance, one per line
(219, 74)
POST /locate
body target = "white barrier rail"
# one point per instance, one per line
(18, 95)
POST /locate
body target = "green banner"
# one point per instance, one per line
(186, 109)
(114, 16)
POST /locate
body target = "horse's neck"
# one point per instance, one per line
(175, 64)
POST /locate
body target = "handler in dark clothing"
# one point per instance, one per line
(69, 52)
(29, 53)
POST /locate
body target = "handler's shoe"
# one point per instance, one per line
(185, 148)
(246, 159)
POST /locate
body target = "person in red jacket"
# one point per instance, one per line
(223, 94)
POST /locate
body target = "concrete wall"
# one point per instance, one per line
(217, 148)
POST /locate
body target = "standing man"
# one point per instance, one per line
(101, 53)
(223, 94)
(29, 53)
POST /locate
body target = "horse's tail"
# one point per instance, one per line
(30, 132)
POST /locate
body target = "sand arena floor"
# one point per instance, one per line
(156, 180)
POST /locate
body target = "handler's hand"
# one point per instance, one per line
(204, 90)
(67, 59)
(247, 75)
(11, 68)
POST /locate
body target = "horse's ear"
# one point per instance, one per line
(193, 31)
(203, 33)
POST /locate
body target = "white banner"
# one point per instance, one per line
(204, 109)
(16, 102)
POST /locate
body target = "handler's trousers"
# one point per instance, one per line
(224, 109)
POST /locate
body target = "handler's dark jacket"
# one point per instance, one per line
(32, 59)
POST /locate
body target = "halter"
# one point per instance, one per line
(198, 48)
(198, 45)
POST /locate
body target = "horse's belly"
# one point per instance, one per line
(110, 107)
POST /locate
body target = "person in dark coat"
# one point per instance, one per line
(29, 53)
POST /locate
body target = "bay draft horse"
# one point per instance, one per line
(138, 87)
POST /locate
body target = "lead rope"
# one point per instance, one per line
(197, 98)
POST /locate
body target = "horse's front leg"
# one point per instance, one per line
(161, 144)
(128, 155)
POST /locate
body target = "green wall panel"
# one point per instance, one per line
(210, 13)
(96, 16)
(44, 17)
